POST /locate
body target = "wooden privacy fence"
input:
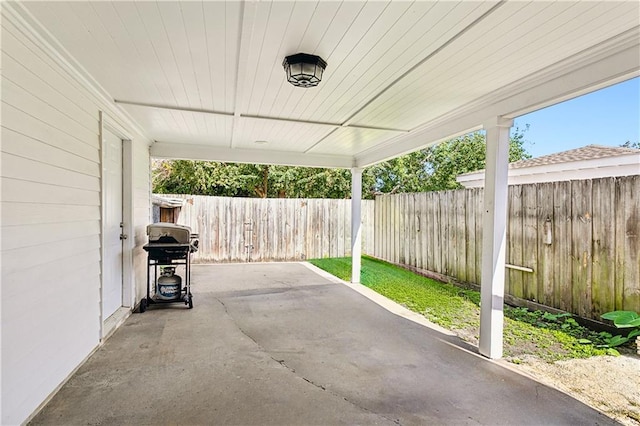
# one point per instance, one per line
(256, 229)
(580, 240)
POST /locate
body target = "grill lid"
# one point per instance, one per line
(168, 233)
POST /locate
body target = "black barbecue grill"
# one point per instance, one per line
(169, 249)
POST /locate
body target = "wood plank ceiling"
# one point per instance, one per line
(206, 79)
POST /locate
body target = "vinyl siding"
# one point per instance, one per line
(51, 212)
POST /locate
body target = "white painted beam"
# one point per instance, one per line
(356, 224)
(173, 107)
(248, 16)
(257, 117)
(494, 238)
(609, 63)
(251, 156)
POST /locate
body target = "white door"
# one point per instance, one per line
(112, 264)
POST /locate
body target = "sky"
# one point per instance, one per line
(609, 116)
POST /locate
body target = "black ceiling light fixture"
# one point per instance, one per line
(304, 70)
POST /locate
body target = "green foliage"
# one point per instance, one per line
(549, 336)
(403, 174)
(560, 322)
(248, 180)
(616, 341)
(205, 178)
(622, 319)
(430, 169)
(309, 182)
(435, 168)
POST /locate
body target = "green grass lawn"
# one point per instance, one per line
(526, 333)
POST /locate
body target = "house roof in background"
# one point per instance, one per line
(588, 162)
(589, 152)
(585, 153)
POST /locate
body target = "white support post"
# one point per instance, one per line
(356, 222)
(494, 236)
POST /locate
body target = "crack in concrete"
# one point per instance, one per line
(322, 387)
(226, 311)
(316, 385)
(283, 363)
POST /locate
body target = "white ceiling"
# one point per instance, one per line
(205, 79)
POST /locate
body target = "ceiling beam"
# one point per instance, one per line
(325, 123)
(258, 117)
(420, 63)
(252, 156)
(609, 63)
(173, 108)
(247, 23)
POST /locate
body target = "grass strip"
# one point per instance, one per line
(525, 333)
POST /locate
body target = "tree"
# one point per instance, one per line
(430, 169)
(402, 174)
(206, 178)
(309, 182)
(435, 168)
(248, 180)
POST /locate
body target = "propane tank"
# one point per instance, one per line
(169, 284)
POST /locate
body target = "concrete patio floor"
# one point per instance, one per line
(279, 344)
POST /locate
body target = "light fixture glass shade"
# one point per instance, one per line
(304, 70)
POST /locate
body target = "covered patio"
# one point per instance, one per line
(284, 344)
(92, 91)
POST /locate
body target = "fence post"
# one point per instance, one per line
(356, 223)
(494, 238)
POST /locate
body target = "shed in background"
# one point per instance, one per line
(166, 209)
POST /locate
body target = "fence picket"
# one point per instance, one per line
(581, 255)
(443, 231)
(603, 273)
(530, 241)
(631, 195)
(562, 220)
(422, 254)
(515, 237)
(545, 243)
(436, 234)
(460, 234)
(469, 232)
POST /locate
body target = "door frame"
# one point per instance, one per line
(128, 291)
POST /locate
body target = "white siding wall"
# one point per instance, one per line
(50, 249)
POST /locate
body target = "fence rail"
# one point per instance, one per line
(274, 229)
(581, 239)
